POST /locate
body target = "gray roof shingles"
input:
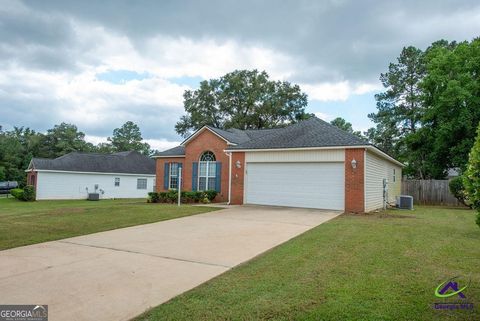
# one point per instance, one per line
(312, 132)
(122, 163)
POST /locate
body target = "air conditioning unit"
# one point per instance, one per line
(93, 196)
(405, 202)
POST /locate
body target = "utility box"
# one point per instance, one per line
(405, 202)
(93, 196)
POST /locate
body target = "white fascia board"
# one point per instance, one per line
(95, 173)
(170, 156)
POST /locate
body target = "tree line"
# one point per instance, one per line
(426, 116)
(18, 146)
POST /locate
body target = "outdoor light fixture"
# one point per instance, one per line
(354, 163)
(238, 164)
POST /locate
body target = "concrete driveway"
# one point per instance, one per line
(116, 275)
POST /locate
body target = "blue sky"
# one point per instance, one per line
(100, 64)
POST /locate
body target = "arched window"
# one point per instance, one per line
(207, 171)
(207, 156)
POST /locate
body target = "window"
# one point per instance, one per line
(117, 181)
(207, 171)
(173, 176)
(394, 178)
(141, 183)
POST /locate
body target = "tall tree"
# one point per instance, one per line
(129, 138)
(452, 104)
(63, 139)
(346, 126)
(242, 99)
(400, 106)
(471, 178)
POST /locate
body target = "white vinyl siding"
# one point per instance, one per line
(376, 169)
(61, 185)
(329, 155)
(310, 185)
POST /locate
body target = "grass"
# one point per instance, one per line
(355, 267)
(23, 223)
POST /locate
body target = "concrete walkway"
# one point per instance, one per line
(116, 275)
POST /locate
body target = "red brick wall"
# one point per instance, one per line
(32, 178)
(160, 169)
(204, 141)
(238, 175)
(354, 181)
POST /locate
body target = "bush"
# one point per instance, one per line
(28, 193)
(472, 176)
(210, 194)
(457, 188)
(17, 193)
(186, 196)
(153, 197)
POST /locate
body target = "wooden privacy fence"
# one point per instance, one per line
(429, 192)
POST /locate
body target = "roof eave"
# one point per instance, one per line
(167, 156)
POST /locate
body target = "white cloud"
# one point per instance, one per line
(162, 144)
(158, 144)
(337, 91)
(324, 116)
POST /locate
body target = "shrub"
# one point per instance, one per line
(457, 188)
(171, 196)
(17, 193)
(210, 194)
(472, 176)
(153, 197)
(28, 193)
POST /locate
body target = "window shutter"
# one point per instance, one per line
(165, 175)
(194, 176)
(218, 177)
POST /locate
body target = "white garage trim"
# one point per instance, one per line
(329, 155)
(308, 184)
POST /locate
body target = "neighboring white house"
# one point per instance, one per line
(74, 175)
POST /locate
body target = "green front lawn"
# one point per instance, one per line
(355, 267)
(23, 223)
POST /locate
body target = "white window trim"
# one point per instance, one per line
(207, 172)
(170, 175)
(115, 182)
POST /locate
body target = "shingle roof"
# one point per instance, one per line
(175, 151)
(122, 162)
(313, 132)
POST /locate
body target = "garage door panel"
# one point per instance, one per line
(313, 185)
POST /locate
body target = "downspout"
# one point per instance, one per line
(229, 176)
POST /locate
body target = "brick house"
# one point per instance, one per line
(309, 164)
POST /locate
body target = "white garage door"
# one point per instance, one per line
(312, 185)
